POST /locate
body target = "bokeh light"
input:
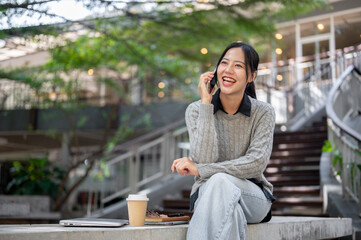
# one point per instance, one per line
(278, 51)
(161, 85)
(204, 51)
(320, 26)
(278, 36)
(161, 94)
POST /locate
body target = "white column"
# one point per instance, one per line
(102, 87)
(298, 52)
(135, 87)
(332, 48)
(136, 91)
(317, 67)
(102, 92)
(274, 66)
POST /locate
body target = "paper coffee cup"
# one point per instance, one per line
(137, 209)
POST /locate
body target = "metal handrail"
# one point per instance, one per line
(149, 136)
(329, 109)
(345, 141)
(162, 144)
(294, 98)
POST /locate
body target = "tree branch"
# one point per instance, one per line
(24, 5)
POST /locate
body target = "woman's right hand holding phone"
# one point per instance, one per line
(204, 79)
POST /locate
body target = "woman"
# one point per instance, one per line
(231, 137)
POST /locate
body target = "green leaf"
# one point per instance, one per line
(110, 146)
(327, 146)
(82, 121)
(17, 164)
(36, 177)
(334, 162)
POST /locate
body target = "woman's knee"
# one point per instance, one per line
(219, 181)
(221, 178)
(218, 178)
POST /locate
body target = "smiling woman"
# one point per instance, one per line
(231, 136)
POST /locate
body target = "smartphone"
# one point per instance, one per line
(213, 82)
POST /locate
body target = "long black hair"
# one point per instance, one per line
(251, 60)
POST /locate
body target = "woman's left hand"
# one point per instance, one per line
(184, 166)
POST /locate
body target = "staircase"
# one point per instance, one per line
(293, 170)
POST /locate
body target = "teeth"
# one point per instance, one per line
(228, 79)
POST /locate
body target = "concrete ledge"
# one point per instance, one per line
(278, 228)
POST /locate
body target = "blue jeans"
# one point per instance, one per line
(224, 206)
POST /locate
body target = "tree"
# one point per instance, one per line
(161, 38)
(160, 27)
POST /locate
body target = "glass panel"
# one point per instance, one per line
(315, 27)
(285, 39)
(287, 42)
(348, 30)
(310, 49)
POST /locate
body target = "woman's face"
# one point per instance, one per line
(231, 73)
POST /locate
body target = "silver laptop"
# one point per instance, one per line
(93, 222)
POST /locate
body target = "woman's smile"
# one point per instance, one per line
(228, 81)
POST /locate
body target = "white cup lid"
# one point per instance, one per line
(137, 197)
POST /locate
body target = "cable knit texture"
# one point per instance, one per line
(234, 144)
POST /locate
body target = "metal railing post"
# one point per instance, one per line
(172, 152)
(165, 153)
(134, 170)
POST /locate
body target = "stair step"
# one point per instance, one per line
(301, 139)
(297, 146)
(186, 193)
(176, 203)
(295, 191)
(294, 181)
(309, 214)
(270, 172)
(299, 154)
(311, 131)
(292, 162)
(316, 128)
(296, 203)
(320, 124)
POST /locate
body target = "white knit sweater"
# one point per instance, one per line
(234, 144)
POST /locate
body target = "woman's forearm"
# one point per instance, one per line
(202, 134)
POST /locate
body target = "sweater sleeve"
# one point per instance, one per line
(202, 134)
(255, 160)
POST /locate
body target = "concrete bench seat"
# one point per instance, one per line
(278, 228)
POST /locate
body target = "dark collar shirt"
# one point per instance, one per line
(244, 108)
